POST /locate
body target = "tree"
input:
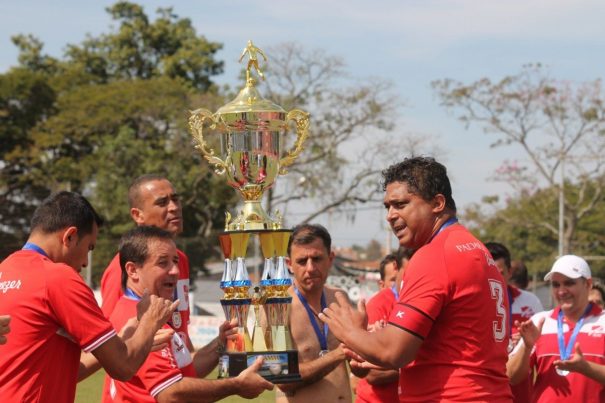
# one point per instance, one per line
(139, 48)
(559, 127)
(532, 242)
(351, 135)
(114, 108)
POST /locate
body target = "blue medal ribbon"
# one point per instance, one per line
(128, 293)
(35, 248)
(446, 224)
(565, 351)
(322, 337)
(394, 289)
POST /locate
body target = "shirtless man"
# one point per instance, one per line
(322, 361)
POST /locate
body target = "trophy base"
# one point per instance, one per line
(278, 366)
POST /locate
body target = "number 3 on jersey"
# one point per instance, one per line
(497, 293)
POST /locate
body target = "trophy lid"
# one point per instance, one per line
(249, 100)
(249, 109)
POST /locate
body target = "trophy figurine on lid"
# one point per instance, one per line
(251, 131)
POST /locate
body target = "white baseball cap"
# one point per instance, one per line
(571, 266)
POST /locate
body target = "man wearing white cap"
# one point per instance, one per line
(564, 347)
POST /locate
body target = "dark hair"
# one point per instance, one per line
(134, 246)
(390, 258)
(65, 209)
(519, 275)
(404, 253)
(499, 251)
(600, 289)
(424, 176)
(304, 234)
(134, 195)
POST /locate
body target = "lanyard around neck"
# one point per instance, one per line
(35, 248)
(565, 351)
(128, 293)
(446, 224)
(322, 337)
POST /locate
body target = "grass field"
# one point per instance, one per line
(89, 391)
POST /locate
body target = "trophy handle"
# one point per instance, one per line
(302, 132)
(196, 123)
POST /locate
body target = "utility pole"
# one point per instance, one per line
(562, 207)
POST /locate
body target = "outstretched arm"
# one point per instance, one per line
(122, 359)
(517, 367)
(206, 358)
(248, 384)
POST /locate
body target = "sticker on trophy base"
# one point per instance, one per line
(278, 366)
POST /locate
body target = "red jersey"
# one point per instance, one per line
(54, 317)
(111, 291)
(550, 387)
(454, 299)
(524, 306)
(160, 370)
(378, 309)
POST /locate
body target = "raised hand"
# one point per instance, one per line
(158, 310)
(227, 330)
(530, 333)
(341, 317)
(160, 340)
(576, 363)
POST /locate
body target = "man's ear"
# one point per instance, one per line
(131, 271)
(69, 237)
(438, 203)
(137, 215)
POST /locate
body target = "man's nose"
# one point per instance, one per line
(174, 269)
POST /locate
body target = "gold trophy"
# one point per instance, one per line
(251, 132)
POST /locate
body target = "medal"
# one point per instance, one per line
(510, 345)
(176, 319)
(323, 352)
(565, 351)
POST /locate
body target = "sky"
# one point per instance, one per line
(408, 43)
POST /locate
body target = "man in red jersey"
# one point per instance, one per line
(448, 331)
(563, 348)
(381, 385)
(149, 261)
(54, 313)
(523, 305)
(153, 201)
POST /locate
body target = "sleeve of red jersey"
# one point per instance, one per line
(159, 371)
(111, 286)
(423, 295)
(76, 309)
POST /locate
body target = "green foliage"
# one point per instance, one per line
(116, 107)
(139, 48)
(558, 127)
(524, 225)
